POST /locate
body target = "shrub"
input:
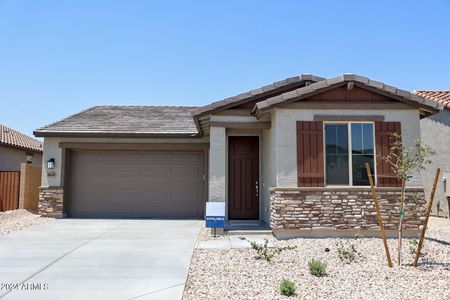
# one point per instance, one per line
(413, 245)
(317, 268)
(265, 251)
(346, 252)
(358, 236)
(287, 287)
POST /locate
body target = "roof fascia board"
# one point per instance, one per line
(114, 134)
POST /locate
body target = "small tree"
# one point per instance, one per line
(404, 163)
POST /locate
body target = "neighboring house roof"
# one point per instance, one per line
(441, 97)
(13, 138)
(426, 107)
(121, 120)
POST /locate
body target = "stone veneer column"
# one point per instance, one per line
(51, 201)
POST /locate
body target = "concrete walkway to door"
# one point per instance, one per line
(98, 259)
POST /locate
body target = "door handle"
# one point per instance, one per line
(257, 189)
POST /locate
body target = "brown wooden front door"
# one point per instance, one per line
(243, 177)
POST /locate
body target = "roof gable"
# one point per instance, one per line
(202, 114)
(352, 81)
(258, 94)
(352, 94)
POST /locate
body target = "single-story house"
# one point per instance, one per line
(290, 154)
(17, 148)
(435, 131)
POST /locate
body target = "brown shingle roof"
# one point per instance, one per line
(16, 139)
(255, 94)
(122, 120)
(442, 97)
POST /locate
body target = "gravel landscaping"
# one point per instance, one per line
(238, 274)
(13, 220)
(205, 234)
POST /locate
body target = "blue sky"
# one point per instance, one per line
(59, 57)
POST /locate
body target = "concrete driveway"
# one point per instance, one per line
(98, 259)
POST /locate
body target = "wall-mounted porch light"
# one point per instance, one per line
(29, 158)
(51, 164)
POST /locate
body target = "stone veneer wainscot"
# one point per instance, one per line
(51, 202)
(343, 208)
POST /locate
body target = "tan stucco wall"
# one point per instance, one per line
(52, 150)
(269, 170)
(435, 131)
(11, 158)
(284, 125)
(217, 164)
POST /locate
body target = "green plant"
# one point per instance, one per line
(358, 236)
(413, 245)
(287, 287)
(346, 252)
(317, 268)
(266, 252)
(404, 163)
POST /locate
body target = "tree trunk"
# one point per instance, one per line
(400, 225)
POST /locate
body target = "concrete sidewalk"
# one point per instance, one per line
(232, 242)
(98, 259)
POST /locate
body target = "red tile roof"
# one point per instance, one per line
(442, 97)
(13, 138)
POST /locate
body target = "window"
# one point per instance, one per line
(336, 141)
(362, 152)
(348, 147)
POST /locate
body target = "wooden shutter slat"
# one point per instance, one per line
(310, 172)
(384, 141)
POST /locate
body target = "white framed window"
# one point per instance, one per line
(348, 147)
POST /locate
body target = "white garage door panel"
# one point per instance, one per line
(134, 184)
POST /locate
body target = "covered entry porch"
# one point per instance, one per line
(236, 173)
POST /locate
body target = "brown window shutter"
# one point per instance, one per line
(310, 153)
(384, 142)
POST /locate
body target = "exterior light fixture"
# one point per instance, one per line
(51, 164)
(29, 158)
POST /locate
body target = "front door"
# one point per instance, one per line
(243, 177)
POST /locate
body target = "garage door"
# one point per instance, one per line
(137, 184)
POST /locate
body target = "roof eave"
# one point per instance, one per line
(98, 134)
(23, 148)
